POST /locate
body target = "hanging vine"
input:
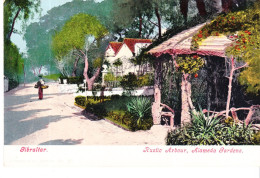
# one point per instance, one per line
(242, 27)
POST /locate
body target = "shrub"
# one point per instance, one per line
(110, 77)
(13, 83)
(81, 101)
(97, 109)
(206, 130)
(75, 80)
(146, 124)
(129, 82)
(145, 80)
(127, 120)
(121, 117)
(140, 108)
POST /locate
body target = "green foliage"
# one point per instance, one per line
(73, 33)
(126, 120)
(52, 77)
(129, 82)
(146, 80)
(81, 101)
(110, 77)
(97, 109)
(146, 124)
(140, 108)
(97, 63)
(114, 108)
(118, 63)
(190, 64)
(75, 80)
(208, 130)
(120, 117)
(256, 138)
(242, 27)
(22, 8)
(13, 63)
(49, 24)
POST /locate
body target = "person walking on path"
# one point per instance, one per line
(39, 84)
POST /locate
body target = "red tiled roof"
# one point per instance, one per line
(130, 42)
(115, 46)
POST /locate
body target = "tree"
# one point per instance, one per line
(142, 15)
(19, 9)
(38, 35)
(73, 37)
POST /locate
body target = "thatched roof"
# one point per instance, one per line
(181, 43)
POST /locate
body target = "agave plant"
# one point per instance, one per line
(205, 128)
(139, 107)
(209, 130)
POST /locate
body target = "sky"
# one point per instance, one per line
(45, 6)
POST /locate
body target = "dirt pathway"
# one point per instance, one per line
(56, 121)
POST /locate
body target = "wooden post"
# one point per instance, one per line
(232, 63)
(156, 108)
(232, 69)
(185, 103)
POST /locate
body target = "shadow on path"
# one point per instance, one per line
(12, 100)
(62, 142)
(16, 127)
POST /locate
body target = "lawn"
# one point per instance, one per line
(52, 76)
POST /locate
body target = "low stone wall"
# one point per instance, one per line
(68, 88)
(145, 91)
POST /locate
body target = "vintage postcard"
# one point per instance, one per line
(131, 83)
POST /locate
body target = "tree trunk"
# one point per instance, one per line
(140, 26)
(156, 109)
(217, 5)
(232, 63)
(159, 21)
(90, 81)
(186, 103)
(201, 7)
(33, 71)
(75, 67)
(40, 70)
(226, 5)
(12, 28)
(184, 8)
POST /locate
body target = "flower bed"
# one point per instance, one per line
(114, 109)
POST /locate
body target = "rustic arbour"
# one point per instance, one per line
(213, 49)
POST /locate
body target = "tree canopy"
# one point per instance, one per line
(38, 35)
(73, 34)
(18, 9)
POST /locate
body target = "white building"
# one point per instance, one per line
(124, 51)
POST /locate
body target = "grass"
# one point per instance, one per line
(52, 76)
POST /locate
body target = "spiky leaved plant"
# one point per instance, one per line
(209, 130)
(140, 108)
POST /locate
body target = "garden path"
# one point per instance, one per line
(56, 121)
